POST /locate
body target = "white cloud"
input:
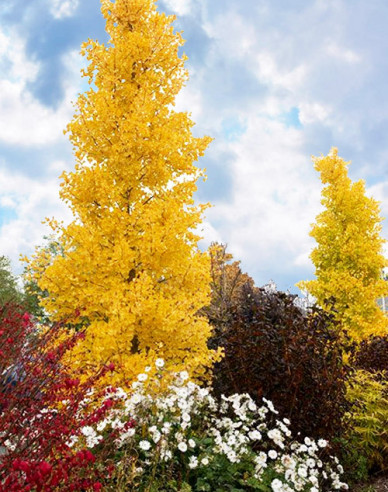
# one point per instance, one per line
(274, 199)
(313, 112)
(268, 71)
(25, 120)
(237, 37)
(190, 99)
(342, 54)
(60, 9)
(179, 7)
(379, 192)
(30, 200)
(13, 57)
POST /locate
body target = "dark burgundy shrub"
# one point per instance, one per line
(372, 354)
(275, 350)
(42, 406)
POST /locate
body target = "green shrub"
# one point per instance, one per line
(369, 430)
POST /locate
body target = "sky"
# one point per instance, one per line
(272, 81)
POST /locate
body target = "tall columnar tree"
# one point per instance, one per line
(129, 266)
(348, 258)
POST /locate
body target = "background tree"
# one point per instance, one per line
(13, 291)
(9, 288)
(227, 282)
(348, 258)
(130, 264)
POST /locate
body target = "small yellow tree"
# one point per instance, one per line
(348, 259)
(130, 268)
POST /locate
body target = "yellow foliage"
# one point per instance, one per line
(348, 259)
(369, 419)
(130, 267)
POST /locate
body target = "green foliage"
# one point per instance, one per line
(11, 292)
(33, 293)
(369, 418)
(9, 289)
(355, 464)
(366, 449)
(273, 349)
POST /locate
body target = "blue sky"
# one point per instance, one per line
(272, 81)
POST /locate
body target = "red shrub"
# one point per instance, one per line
(42, 406)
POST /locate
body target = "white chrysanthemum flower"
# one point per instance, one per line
(192, 443)
(272, 454)
(166, 428)
(205, 461)
(184, 375)
(156, 436)
(274, 434)
(193, 462)
(252, 406)
(270, 405)
(142, 377)
(254, 435)
(232, 456)
(186, 417)
(101, 425)
(88, 431)
(310, 463)
(159, 363)
(288, 461)
(182, 446)
(261, 458)
(145, 445)
(136, 398)
(179, 436)
(302, 471)
(276, 485)
(203, 393)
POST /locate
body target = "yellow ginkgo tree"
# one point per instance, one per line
(348, 258)
(129, 267)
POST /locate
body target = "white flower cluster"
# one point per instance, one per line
(185, 419)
